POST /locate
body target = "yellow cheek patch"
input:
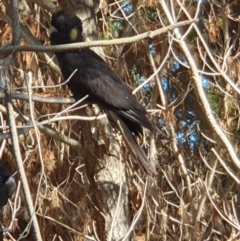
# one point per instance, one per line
(73, 34)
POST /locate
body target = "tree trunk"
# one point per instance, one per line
(102, 156)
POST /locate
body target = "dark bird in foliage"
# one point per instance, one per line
(7, 186)
(103, 86)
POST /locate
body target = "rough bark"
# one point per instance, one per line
(102, 155)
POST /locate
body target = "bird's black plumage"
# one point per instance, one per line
(104, 87)
(7, 186)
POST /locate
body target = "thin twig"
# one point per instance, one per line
(13, 129)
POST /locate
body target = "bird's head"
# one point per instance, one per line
(65, 28)
(7, 180)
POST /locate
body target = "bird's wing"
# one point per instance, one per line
(3, 196)
(105, 88)
(98, 79)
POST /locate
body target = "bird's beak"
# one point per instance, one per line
(52, 29)
(11, 184)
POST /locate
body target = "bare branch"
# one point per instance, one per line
(64, 47)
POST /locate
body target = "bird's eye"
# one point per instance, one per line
(62, 27)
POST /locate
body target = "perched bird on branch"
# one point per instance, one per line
(7, 186)
(103, 86)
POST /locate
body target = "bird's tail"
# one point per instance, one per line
(131, 142)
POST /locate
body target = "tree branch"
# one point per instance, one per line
(59, 48)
